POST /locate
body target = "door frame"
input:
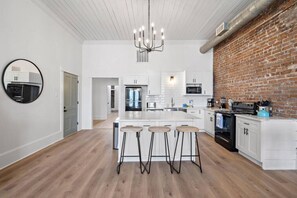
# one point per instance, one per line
(89, 122)
(62, 71)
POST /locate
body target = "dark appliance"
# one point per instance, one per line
(223, 102)
(24, 93)
(193, 89)
(133, 99)
(225, 123)
(210, 102)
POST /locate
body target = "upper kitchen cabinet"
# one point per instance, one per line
(205, 79)
(193, 77)
(135, 80)
(154, 84)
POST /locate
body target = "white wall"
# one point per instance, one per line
(99, 96)
(175, 90)
(29, 32)
(118, 58)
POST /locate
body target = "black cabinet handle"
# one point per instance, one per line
(244, 131)
(65, 110)
(146, 125)
(168, 125)
(246, 123)
(247, 132)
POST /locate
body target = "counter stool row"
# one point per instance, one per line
(160, 129)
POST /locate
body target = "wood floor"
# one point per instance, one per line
(108, 123)
(84, 165)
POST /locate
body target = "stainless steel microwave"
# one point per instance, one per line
(193, 89)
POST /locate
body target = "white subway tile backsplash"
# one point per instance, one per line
(175, 89)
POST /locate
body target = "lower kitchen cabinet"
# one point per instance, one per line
(198, 112)
(248, 137)
(268, 142)
(209, 122)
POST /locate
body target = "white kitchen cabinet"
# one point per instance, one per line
(154, 84)
(23, 77)
(248, 137)
(209, 122)
(203, 78)
(193, 77)
(207, 83)
(198, 112)
(268, 142)
(135, 80)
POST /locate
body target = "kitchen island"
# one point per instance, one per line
(146, 119)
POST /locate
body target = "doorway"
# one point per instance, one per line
(70, 103)
(105, 100)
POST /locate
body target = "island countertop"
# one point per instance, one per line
(156, 116)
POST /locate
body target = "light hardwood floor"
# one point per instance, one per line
(108, 123)
(84, 165)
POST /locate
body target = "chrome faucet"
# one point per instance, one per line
(172, 103)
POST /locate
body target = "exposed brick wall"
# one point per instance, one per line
(260, 60)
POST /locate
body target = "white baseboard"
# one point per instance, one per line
(99, 118)
(12, 156)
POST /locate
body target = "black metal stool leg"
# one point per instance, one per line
(200, 165)
(181, 154)
(175, 148)
(139, 153)
(167, 144)
(122, 153)
(149, 160)
(198, 154)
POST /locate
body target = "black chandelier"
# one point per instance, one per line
(148, 43)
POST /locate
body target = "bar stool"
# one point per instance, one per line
(125, 130)
(153, 130)
(183, 130)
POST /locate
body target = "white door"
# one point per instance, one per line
(70, 103)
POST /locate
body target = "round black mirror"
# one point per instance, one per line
(22, 81)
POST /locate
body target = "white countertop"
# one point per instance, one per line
(156, 116)
(261, 119)
(215, 109)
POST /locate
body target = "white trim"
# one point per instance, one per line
(12, 156)
(99, 118)
(125, 42)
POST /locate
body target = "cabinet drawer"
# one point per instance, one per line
(250, 124)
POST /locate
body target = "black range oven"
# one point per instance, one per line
(225, 130)
(225, 123)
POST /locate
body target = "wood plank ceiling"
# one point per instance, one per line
(116, 19)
